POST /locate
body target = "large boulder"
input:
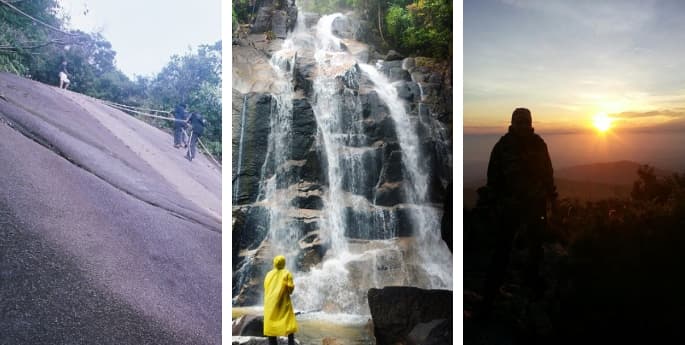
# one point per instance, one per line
(244, 340)
(248, 325)
(435, 332)
(397, 310)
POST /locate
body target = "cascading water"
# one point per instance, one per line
(359, 234)
(433, 251)
(283, 237)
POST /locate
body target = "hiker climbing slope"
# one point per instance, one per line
(197, 123)
(179, 125)
(521, 182)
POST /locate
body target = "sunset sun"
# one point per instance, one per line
(601, 122)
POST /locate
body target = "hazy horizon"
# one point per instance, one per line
(664, 150)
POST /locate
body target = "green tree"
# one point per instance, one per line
(22, 38)
(651, 188)
(423, 27)
(36, 47)
(194, 79)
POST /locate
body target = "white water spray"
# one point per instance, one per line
(350, 267)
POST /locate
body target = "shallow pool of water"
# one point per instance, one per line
(314, 327)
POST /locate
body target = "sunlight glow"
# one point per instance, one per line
(602, 122)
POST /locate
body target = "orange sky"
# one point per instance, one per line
(620, 58)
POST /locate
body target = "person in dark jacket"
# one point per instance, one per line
(179, 125)
(521, 180)
(197, 123)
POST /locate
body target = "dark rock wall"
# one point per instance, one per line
(372, 155)
(251, 153)
(277, 16)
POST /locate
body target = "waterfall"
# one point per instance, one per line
(362, 248)
(283, 236)
(431, 248)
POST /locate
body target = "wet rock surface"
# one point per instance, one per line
(401, 313)
(250, 141)
(373, 198)
(248, 326)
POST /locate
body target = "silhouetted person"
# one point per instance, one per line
(179, 125)
(521, 182)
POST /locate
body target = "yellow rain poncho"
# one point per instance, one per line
(279, 318)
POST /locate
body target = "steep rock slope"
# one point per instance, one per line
(109, 235)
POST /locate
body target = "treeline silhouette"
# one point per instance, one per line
(613, 268)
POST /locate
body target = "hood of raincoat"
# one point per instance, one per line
(279, 262)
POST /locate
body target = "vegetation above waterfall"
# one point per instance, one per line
(423, 27)
(413, 27)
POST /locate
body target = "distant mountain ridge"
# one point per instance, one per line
(612, 173)
(589, 182)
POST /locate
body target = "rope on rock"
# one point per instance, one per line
(136, 110)
(132, 109)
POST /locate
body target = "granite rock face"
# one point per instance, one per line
(277, 16)
(374, 202)
(250, 143)
(108, 235)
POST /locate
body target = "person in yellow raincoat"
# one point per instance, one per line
(279, 318)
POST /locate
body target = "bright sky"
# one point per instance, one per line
(570, 61)
(146, 33)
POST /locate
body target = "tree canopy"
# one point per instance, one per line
(34, 41)
(423, 26)
(416, 27)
